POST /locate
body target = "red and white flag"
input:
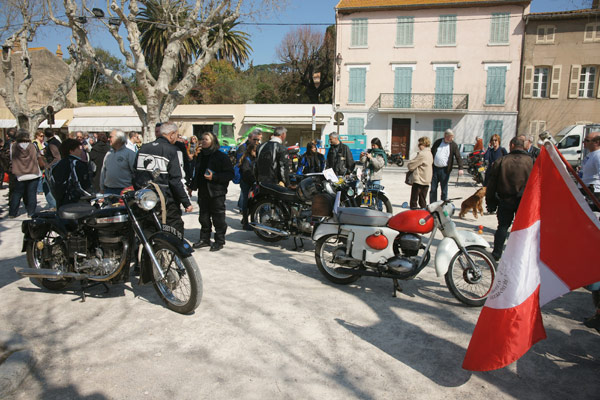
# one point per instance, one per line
(552, 249)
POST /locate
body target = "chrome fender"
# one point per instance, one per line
(448, 248)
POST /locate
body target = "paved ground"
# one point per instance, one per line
(270, 326)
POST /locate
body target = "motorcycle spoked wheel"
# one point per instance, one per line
(325, 248)
(181, 289)
(386, 204)
(467, 285)
(59, 259)
(400, 162)
(266, 213)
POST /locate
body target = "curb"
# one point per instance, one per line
(16, 361)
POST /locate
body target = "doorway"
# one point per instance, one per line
(401, 136)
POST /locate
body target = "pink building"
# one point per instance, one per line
(406, 69)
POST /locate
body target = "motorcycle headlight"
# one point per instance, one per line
(146, 199)
(360, 187)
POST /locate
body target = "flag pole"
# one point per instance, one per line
(586, 189)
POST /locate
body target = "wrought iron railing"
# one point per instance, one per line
(424, 101)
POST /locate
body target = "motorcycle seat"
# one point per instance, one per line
(280, 192)
(75, 211)
(362, 216)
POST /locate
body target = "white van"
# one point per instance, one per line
(570, 142)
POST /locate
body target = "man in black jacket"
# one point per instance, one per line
(444, 150)
(339, 156)
(272, 160)
(162, 156)
(508, 178)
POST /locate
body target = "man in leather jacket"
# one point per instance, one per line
(163, 156)
(505, 188)
(339, 156)
(272, 160)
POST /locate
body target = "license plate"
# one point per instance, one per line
(481, 169)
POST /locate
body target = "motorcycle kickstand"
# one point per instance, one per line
(84, 286)
(397, 287)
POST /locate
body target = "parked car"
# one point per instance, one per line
(465, 149)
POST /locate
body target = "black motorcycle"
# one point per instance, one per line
(95, 242)
(357, 190)
(277, 212)
(397, 159)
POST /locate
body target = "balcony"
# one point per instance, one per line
(423, 102)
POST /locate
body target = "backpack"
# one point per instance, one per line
(237, 175)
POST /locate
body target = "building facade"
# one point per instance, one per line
(406, 69)
(560, 71)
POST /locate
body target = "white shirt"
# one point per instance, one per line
(442, 155)
(590, 170)
(131, 146)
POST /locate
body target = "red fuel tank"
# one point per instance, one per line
(412, 221)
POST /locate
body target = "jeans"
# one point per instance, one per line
(506, 214)
(49, 198)
(26, 190)
(441, 176)
(108, 190)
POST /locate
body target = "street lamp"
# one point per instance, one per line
(338, 61)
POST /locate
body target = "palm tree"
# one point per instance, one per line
(154, 21)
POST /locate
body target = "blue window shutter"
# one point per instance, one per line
(439, 127)
(490, 128)
(444, 87)
(496, 85)
(402, 87)
(405, 31)
(356, 126)
(357, 85)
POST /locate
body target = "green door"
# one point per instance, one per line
(402, 87)
(444, 86)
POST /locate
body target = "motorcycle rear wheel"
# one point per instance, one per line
(386, 204)
(467, 285)
(324, 252)
(181, 289)
(59, 262)
(400, 162)
(266, 213)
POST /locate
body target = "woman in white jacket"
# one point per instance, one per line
(422, 167)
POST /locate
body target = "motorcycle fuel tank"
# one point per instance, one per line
(412, 221)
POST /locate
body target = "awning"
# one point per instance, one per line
(8, 123)
(277, 120)
(58, 123)
(105, 124)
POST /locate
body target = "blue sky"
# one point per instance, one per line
(266, 38)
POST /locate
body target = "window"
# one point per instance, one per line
(358, 36)
(545, 34)
(569, 141)
(500, 27)
(447, 30)
(592, 33)
(540, 82)
(404, 31)
(444, 87)
(496, 84)
(356, 126)
(490, 128)
(439, 127)
(402, 87)
(586, 82)
(358, 80)
(536, 127)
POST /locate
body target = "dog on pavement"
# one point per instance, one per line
(474, 203)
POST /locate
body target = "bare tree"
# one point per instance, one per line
(309, 54)
(22, 18)
(184, 20)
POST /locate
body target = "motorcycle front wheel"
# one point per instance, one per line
(268, 214)
(325, 249)
(181, 288)
(469, 285)
(51, 242)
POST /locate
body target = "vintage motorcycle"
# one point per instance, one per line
(396, 158)
(95, 242)
(476, 166)
(358, 191)
(353, 242)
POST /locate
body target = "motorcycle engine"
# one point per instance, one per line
(106, 259)
(304, 219)
(409, 244)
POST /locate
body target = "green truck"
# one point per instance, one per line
(224, 131)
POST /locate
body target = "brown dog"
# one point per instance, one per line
(474, 203)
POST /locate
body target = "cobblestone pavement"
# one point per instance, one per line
(270, 326)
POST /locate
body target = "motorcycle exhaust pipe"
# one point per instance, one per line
(269, 229)
(49, 274)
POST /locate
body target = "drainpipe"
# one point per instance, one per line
(525, 20)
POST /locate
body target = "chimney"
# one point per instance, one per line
(59, 52)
